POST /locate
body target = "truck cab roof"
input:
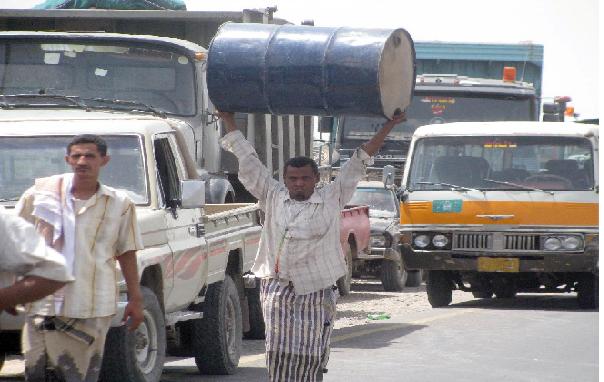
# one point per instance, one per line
(186, 47)
(507, 128)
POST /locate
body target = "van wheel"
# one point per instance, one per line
(217, 339)
(504, 288)
(439, 288)
(414, 278)
(2, 358)
(139, 355)
(256, 318)
(345, 281)
(587, 292)
(393, 275)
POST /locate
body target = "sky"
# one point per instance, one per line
(567, 29)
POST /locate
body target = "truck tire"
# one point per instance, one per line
(216, 341)
(439, 288)
(345, 281)
(137, 356)
(414, 278)
(504, 288)
(256, 318)
(393, 275)
(587, 292)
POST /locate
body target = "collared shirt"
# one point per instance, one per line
(305, 236)
(105, 228)
(24, 253)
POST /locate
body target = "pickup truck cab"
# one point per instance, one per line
(384, 256)
(496, 208)
(196, 256)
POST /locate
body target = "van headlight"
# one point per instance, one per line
(552, 244)
(440, 241)
(421, 241)
(381, 241)
(563, 243)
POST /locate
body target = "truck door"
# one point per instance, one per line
(189, 246)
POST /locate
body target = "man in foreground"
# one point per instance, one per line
(92, 225)
(300, 256)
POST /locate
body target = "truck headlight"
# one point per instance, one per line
(552, 244)
(381, 241)
(572, 243)
(421, 241)
(440, 241)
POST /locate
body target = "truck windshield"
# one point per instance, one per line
(502, 163)
(23, 159)
(441, 107)
(380, 201)
(154, 76)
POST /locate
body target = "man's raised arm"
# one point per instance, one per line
(373, 145)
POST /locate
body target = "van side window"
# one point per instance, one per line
(167, 172)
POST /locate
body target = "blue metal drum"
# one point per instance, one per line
(287, 69)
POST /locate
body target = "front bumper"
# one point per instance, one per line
(464, 261)
(376, 253)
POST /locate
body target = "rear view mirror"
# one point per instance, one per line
(193, 193)
(388, 175)
(325, 124)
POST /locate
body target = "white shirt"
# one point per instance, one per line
(304, 235)
(24, 253)
(105, 228)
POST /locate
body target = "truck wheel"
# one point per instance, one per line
(393, 275)
(344, 282)
(504, 288)
(439, 288)
(217, 336)
(414, 278)
(256, 318)
(137, 356)
(587, 292)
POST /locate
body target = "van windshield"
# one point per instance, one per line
(502, 163)
(148, 74)
(23, 159)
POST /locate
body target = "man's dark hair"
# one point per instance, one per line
(301, 162)
(100, 143)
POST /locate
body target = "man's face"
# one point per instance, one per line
(301, 182)
(86, 161)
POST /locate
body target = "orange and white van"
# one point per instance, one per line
(496, 208)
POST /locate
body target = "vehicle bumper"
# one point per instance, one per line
(379, 254)
(460, 261)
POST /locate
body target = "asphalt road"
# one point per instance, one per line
(529, 338)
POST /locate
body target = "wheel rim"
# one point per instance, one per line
(145, 343)
(231, 329)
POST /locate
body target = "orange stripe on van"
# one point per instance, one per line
(515, 213)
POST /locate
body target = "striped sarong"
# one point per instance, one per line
(298, 331)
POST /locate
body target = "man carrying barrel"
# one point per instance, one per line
(300, 256)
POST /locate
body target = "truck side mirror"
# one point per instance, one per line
(388, 175)
(193, 193)
(325, 124)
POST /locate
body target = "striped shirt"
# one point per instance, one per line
(105, 227)
(304, 236)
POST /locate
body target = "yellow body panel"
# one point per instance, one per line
(527, 213)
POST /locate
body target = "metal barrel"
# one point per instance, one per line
(287, 69)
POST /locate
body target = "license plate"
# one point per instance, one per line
(498, 264)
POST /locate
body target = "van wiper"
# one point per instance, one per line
(453, 186)
(74, 100)
(518, 185)
(135, 105)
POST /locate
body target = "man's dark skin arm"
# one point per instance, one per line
(28, 289)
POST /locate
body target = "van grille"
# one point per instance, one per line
(473, 241)
(521, 242)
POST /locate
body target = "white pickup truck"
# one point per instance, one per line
(194, 267)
